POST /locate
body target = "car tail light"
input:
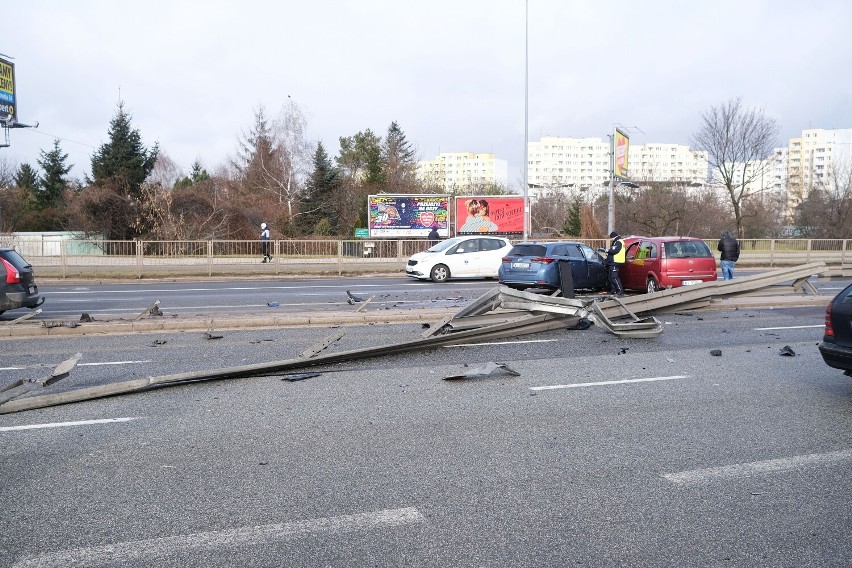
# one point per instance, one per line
(829, 331)
(12, 274)
(543, 259)
(506, 259)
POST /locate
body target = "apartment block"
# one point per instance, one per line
(463, 170)
(815, 159)
(584, 163)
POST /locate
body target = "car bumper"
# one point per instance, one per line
(25, 299)
(836, 356)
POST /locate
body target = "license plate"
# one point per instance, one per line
(520, 265)
(691, 282)
(32, 290)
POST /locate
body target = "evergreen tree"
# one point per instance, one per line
(318, 207)
(573, 225)
(256, 163)
(123, 163)
(53, 182)
(198, 175)
(400, 163)
(27, 178)
(361, 157)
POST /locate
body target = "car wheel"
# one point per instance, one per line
(439, 273)
(652, 285)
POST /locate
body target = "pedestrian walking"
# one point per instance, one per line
(730, 249)
(433, 236)
(615, 256)
(264, 243)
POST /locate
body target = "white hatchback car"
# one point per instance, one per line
(460, 257)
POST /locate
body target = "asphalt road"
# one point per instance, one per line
(601, 452)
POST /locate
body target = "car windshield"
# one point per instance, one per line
(528, 250)
(687, 249)
(444, 245)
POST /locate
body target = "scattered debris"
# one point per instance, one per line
(669, 360)
(273, 304)
(367, 301)
(51, 324)
(716, 352)
(485, 370)
(353, 298)
(24, 317)
(155, 311)
(300, 376)
(787, 351)
(86, 318)
(149, 311)
(322, 345)
(622, 350)
(22, 387)
(158, 342)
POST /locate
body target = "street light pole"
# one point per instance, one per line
(610, 224)
(526, 118)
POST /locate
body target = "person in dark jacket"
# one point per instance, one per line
(730, 249)
(615, 256)
(433, 236)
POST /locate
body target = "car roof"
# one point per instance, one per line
(662, 239)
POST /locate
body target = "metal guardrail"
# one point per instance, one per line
(64, 258)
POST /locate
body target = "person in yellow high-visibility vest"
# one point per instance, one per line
(615, 256)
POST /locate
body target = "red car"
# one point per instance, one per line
(654, 263)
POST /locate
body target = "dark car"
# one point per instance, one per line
(836, 346)
(536, 265)
(17, 283)
(654, 263)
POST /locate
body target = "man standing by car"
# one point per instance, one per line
(730, 249)
(615, 256)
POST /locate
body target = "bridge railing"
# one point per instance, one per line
(64, 258)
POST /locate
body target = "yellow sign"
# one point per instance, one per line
(621, 143)
(7, 81)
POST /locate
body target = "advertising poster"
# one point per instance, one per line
(408, 215)
(621, 143)
(499, 214)
(7, 90)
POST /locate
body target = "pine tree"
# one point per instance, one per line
(198, 175)
(400, 164)
(318, 206)
(123, 163)
(27, 178)
(53, 182)
(361, 157)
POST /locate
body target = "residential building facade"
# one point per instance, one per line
(451, 171)
(815, 159)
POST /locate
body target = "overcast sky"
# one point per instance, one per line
(450, 72)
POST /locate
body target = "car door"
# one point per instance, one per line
(595, 268)
(490, 257)
(632, 271)
(464, 259)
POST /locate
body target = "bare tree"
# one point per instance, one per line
(738, 142)
(827, 211)
(166, 172)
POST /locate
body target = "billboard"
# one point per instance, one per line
(7, 91)
(499, 214)
(620, 164)
(408, 215)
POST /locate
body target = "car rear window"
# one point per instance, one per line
(687, 249)
(528, 250)
(14, 259)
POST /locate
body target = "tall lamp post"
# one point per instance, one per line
(527, 220)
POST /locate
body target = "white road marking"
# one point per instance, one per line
(622, 382)
(112, 363)
(504, 342)
(758, 468)
(78, 364)
(65, 424)
(789, 327)
(157, 548)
